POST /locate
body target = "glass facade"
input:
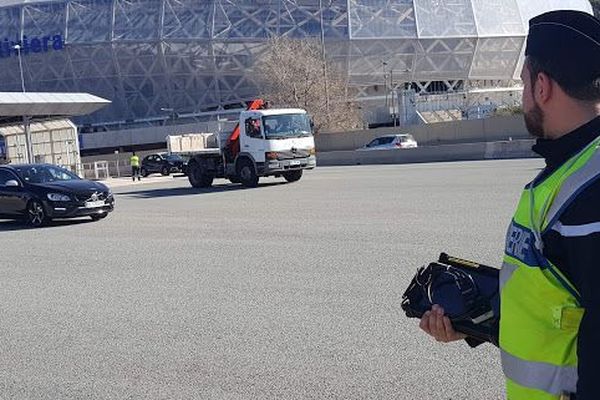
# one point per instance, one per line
(193, 56)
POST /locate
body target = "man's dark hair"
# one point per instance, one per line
(587, 90)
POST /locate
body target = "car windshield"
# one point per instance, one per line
(286, 126)
(44, 174)
(381, 141)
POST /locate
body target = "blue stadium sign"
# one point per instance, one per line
(38, 44)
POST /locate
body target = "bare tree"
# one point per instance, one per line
(293, 73)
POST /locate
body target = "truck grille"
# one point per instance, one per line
(291, 154)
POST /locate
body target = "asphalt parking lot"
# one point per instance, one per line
(286, 291)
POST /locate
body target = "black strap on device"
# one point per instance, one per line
(468, 292)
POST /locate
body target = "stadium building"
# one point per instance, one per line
(183, 60)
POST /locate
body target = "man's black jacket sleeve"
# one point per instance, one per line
(573, 245)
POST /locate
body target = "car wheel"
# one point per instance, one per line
(165, 171)
(36, 215)
(247, 174)
(144, 172)
(293, 176)
(97, 217)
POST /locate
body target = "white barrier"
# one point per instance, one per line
(450, 152)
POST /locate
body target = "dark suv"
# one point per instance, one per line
(42, 192)
(162, 163)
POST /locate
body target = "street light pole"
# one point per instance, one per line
(26, 118)
(171, 112)
(393, 95)
(385, 85)
(17, 47)
(325, 83)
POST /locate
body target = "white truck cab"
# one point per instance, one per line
(267, 142)
(277, 140)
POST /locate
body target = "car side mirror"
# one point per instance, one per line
(12, 183)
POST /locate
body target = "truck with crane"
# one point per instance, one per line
(266, 142)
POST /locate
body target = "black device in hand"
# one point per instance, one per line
(467, 291)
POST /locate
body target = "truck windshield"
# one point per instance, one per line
(286, 126)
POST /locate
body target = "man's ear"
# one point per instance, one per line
(544, 88)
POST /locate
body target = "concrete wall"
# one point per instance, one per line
(151, 134)
(128, 137)
(482, 130)
(449, 152)
(118, 164)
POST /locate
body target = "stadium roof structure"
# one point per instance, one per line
(196, 56)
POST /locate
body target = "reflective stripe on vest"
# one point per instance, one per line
(540, 309)
(576, 230)
(541, 376)
(506, 272)
(572, 186)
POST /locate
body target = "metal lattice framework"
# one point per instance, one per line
(198, 55)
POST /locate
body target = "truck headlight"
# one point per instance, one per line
(58, 197)
(312, 151)
(271, 155)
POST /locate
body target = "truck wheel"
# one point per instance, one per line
(234, 179)
(198, 176)
(293, 176)
(247, 174)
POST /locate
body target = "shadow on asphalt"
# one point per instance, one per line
(191, 191)
(7, 225)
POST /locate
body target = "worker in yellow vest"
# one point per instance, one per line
(549, 296)
(135, 166)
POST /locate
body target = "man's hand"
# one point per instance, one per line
(439, 326)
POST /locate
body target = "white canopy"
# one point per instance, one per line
(49, 104)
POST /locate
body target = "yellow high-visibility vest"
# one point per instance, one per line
(540, 309)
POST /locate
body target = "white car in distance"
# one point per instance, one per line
(391, 142)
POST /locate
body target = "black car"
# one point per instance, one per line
(42, 192)
(162, 163)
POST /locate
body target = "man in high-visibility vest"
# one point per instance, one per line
(135, 166)
(550, 277)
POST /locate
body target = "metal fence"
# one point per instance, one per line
(102, 169)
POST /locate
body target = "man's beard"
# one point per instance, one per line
(534, 121)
